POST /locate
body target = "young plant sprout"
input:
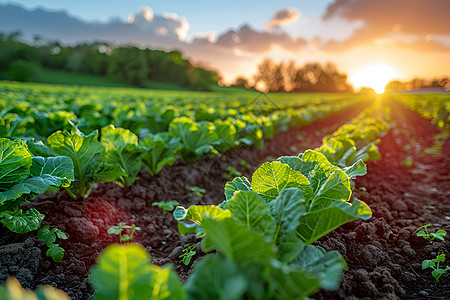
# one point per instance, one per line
(166, 206)
(197, 191)
(122, 231)
(231, 172)
(187, 255)
(430, 236)
(434, 264)
(245, 164)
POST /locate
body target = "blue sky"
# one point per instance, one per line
(202, 15)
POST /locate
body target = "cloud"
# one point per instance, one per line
(419, 18)
(282, 17)
(169, 25)
(143, 28)
(249, 40)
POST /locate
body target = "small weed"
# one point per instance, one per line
(166, 206)
(197, 191)
(294, 149)
(231, 172)
(245, 165)
(430, 236)
(434, 264)
(407, 162)
(187, 255)
(123, 227)
(49, 236)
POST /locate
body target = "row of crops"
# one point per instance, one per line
(430, 106)
(262, 232)
(260, 237)
(52, 138)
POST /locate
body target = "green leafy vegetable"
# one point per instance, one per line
(12, 290)
(161, 151)
(22, 177)
(125, 272)
(86, 152)
(121, 148)
(197, 138)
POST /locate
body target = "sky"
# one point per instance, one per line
(411, 37)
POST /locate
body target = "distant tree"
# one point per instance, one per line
(270, 74)
(311, 77)
(241, 81)
(131, 64)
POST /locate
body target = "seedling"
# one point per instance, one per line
(407, 162)
(166, 206)
(123, 228)
(187, 255)
(245, 165)
(49, 236)
(197, 191)
(232, 172)
(434, 264)
(430, 236)
(294, 149)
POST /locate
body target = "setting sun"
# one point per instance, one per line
(375, 76)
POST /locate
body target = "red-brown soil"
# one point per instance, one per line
(383, 253)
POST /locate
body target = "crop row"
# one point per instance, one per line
(75, 161)
(435, 107)
(263, 230)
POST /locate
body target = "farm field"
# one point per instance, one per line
(196, 148)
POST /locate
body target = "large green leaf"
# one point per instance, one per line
(15, 162)
(125, 272)
(121, 147)
(13, 291)
(21, 222)
(292, 282)
(86, 152)
(235, 242)
(216, 277)
(315, 224)
(161, 151)
(286, 210)
(45, 172)
(165, 285)
(238, 184)
(327, 266)
(252, 211)
(357, 169)
(271, 178)
(329, 189)
(227, 135)
(197, 137)
(190, 220)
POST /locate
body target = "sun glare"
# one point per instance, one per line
(375, 76)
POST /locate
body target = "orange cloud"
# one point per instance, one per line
(417, 18)
(283, 17)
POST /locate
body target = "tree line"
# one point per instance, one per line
(418, 83)
(131, 64)
(288, 77)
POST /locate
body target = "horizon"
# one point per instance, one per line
(412, 40)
